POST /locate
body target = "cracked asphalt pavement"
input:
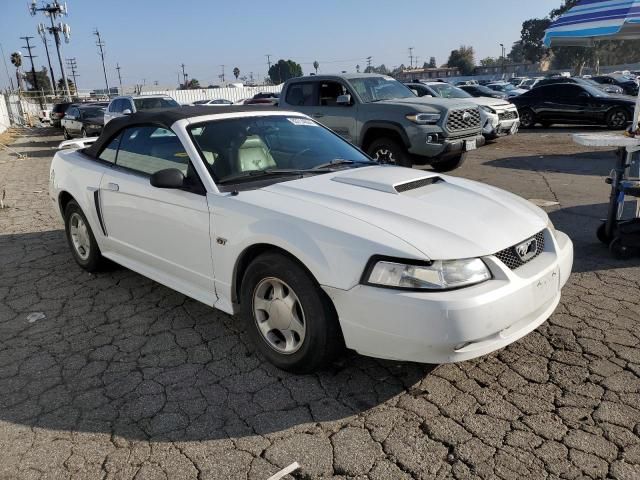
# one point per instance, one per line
(123, 378)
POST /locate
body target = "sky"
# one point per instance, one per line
(150, 39)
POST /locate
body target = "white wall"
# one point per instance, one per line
(4, 114)
(233, 94)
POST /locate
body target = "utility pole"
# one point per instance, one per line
(369, 62)
(53, 10)
(268, 60)
(222, 75)
(184, 76)
(119, 77)
(33, 68)
(6, 68)
(411, 56)
(73, 66)
(100, 45)
(503, 54)
(43, 34)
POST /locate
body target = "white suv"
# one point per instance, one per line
(126, 105)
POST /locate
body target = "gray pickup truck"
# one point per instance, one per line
(387, 120)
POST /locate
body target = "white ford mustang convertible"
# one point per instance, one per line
(270, 215)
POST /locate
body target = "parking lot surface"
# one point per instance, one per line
(115, 376)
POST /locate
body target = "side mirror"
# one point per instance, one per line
(344, 100)
(168, 178)
(127, 111)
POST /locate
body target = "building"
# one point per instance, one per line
(514, 69)
(426, 73)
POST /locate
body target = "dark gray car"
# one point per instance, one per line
(385, 119)
(83, 121)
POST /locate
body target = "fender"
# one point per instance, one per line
(387, 125)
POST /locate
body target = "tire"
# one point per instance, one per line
(65, 134)
(527, 118)
(450, 164)
(83, 132)
(81, 240)
(601, 233)
(617, 119)
(386, 150)
(619, 251)
(315, 338)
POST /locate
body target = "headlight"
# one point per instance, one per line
(424, 118)
(437, 275)
(487, 109)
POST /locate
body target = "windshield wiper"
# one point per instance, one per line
(253, 174)
(340, 161)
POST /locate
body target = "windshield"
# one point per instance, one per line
(154, 102)
(594, 91)
(250, 146)
(92, 112)
(375, 89)
(485, 90)
(447, 90)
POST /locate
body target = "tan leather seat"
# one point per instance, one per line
(253, 154)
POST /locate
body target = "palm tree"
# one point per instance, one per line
(236, 72)
(16, 61)
(316, 65)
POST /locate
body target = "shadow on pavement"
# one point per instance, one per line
(118, 353)
(598, 163)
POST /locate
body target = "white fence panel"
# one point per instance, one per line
(5, 120)
(232, 94)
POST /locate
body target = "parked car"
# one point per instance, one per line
(483, 91)
(128, 104)
(628, 84)
(530, 83)
(384, 118)
(581, 81)
(83, 121)
(518, 81)
(572, 103)
(506, 88)
(216, 102)
(498, 117)
(58, 111)
(271, 216)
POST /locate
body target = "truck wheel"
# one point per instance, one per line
(386, 150)
(450, 164)
(83, 244)
(287, 316)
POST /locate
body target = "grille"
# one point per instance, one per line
(423, 182)
(456, 121)
(508, 115)
(510, 258)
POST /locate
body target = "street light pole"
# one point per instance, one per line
(503, 54)
(100, 44)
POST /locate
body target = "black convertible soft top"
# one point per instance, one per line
(165, 118)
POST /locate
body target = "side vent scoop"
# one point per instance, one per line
(423, 182)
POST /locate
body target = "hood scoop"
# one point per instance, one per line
(392, 180)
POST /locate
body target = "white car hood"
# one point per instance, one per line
(447, 219)
(491, 102)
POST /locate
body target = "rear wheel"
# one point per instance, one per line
(386, 150)
(527, 118)
(617, 119)
(620, 251)
(450, 164)
(84, 133)
(65, 134)
(289, 319)
(601, 233)
(83, 244)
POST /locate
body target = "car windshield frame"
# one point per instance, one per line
(347, 156)
(396, 90)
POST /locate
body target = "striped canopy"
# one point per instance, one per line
(593, 20)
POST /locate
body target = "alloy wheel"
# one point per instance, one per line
(279, 315)
(80, 236)
(618, 119)
(384, 155)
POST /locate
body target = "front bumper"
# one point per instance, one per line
(454, 326)
(441, 148)
(493, 127)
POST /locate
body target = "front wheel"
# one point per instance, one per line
(65, 134)
(527, 118)
(84, 133)
(617, 119)
(83, 244)
(386, 150)
(287, 316)
(450, 164)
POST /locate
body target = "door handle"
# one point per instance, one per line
(318, 115)
(114, 187)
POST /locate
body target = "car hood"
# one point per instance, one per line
(441, 104)
(490, 102)
(443, 217)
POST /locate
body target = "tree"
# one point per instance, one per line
(284, 70)
(16, 61)
(316, 65)
(236, 72)
(60, 85)
(516, 55)
(490, 62)
(193, 84)
(531, 39)
(463, 58)
(381, 69)
(42, 77)
(432, 63)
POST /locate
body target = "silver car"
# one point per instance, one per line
(128, 104)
